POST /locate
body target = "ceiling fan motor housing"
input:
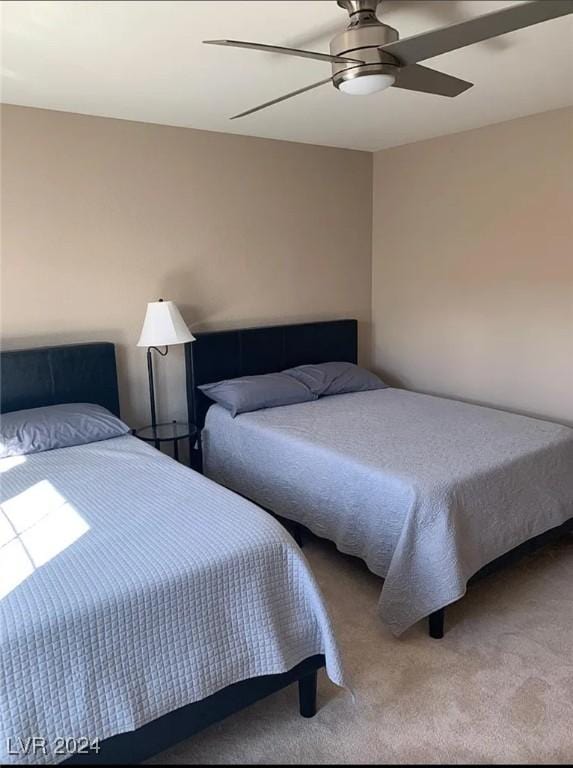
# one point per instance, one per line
(361, 40)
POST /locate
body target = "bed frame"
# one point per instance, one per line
(32, 378)
(72, 373)
(218, 355)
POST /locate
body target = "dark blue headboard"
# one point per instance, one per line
(217, 355)
(74, 373)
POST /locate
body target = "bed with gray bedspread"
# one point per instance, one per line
(425, 490)
(133, 586)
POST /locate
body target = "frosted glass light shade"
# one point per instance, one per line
(163, 326)
(366, 84)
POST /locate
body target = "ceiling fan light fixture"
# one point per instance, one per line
(368, 55)
(366, 84)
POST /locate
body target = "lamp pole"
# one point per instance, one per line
(151, 384)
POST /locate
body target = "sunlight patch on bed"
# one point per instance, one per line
(35, 526)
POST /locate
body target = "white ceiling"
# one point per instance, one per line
(143, 60)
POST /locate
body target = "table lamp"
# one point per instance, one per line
(163, 326)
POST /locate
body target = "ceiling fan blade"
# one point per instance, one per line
(287, 51)
(282, 98)
(417, 78)
(428, 44)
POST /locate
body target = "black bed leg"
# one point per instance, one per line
(436, 622)
(307, 695)
(297, 534)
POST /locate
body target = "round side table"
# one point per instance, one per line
(169, 432)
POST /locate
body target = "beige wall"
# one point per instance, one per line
(101, 216)
(472, 248)
(473, 265)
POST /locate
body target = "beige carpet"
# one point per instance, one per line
(497, 689)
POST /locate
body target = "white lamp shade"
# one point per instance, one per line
(163, 326)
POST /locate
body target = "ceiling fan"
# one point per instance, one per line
(368, 56)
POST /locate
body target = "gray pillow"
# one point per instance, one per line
(335, 378)
(56, 426)
(251, 393)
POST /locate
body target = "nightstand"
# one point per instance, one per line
(172, 432)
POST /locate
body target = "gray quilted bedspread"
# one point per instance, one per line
(425, 490)
(131, 586)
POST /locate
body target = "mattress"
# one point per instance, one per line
(132, 586)
(424, 489)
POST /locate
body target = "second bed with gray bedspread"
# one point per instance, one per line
(131, 586)
(424, 489)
